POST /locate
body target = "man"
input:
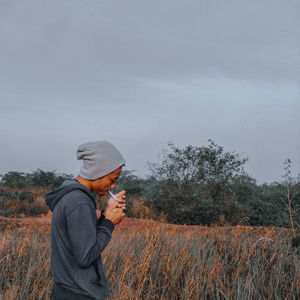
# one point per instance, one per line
(77, 236)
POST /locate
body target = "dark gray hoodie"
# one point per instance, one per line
(77, 240)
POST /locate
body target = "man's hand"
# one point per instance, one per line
(121, 200)
(114, 213)
(98, 213)
(114, 210)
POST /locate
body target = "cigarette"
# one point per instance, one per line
(113, 195)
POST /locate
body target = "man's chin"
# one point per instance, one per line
(101, 193)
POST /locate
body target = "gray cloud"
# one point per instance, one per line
(74, 41)
(140, 73)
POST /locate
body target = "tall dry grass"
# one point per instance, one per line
(19, 202)
(24, 264)
(163, 263)
(22, 202)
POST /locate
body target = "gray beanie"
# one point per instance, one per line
(99, 159)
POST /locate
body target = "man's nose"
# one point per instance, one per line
(113, 185)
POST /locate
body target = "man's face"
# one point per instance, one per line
(104, 184)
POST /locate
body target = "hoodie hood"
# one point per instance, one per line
(53, 197)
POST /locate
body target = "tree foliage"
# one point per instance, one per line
(38, 178)
(195, 184)
(192, 185)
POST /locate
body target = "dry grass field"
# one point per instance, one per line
(152, 260)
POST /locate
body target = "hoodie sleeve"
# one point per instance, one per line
(86, 238)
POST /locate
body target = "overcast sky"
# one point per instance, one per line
(142, 73)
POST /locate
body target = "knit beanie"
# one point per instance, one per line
(99, 159)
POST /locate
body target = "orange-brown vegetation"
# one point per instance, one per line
(151, 260)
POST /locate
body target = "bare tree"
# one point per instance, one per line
(288, 178)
